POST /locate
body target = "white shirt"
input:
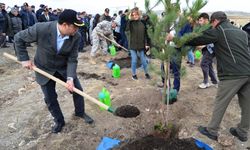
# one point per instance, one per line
(118, 23)
(60, 39)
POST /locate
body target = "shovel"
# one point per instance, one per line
(126, 111)
(112, 41)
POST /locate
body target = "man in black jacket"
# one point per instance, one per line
(6, 26)
(233, 66)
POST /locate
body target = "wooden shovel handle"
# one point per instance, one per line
(60, 82)
(113, 41)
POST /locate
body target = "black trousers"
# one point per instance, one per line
(207, 67)
(2, 40)
(175, 67)
(50, 98)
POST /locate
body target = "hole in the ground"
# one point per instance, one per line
(2, 71)
(127, 111)
(97, 77)
(126, 62)
(90, 75)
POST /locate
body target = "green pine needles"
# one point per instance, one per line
(172, 19)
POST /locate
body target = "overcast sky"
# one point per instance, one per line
(98, 6)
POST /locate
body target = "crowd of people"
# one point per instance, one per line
(71, 31)
(20, 18)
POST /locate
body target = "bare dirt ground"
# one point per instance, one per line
(26, 122)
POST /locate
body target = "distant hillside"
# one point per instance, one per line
(237, 13)
(240, 18)
(229, 13)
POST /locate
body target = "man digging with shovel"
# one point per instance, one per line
(57, 52)
(102, 30)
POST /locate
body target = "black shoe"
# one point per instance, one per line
(147, 76)
(86, 118)
(58, 127)
(191, 65)
(234, 133)
(204, 131)
(134, 77)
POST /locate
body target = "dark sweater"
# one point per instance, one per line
(138, 35)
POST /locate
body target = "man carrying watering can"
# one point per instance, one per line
(57, 52)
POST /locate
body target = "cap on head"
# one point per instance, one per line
(13, 10)
(70, 16)
(26, 4)
(106, 10)
(42, 5)
(218, 15)
(126, 10)
(46, 10)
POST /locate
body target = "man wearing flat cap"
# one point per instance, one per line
(40, 11)
(233, 67)
(57, 52)
(105, 16)
(45, 17)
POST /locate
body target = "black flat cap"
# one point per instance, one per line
(219, 15)
(70, 16)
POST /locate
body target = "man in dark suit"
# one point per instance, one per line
(45, 17)
(57, 52)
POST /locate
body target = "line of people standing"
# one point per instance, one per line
(20, 18)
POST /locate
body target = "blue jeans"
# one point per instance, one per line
(191, 56)
(134, 60)
(50, 98)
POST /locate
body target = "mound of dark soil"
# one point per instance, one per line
(127, 111)
(156, 143)
(126, 62)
